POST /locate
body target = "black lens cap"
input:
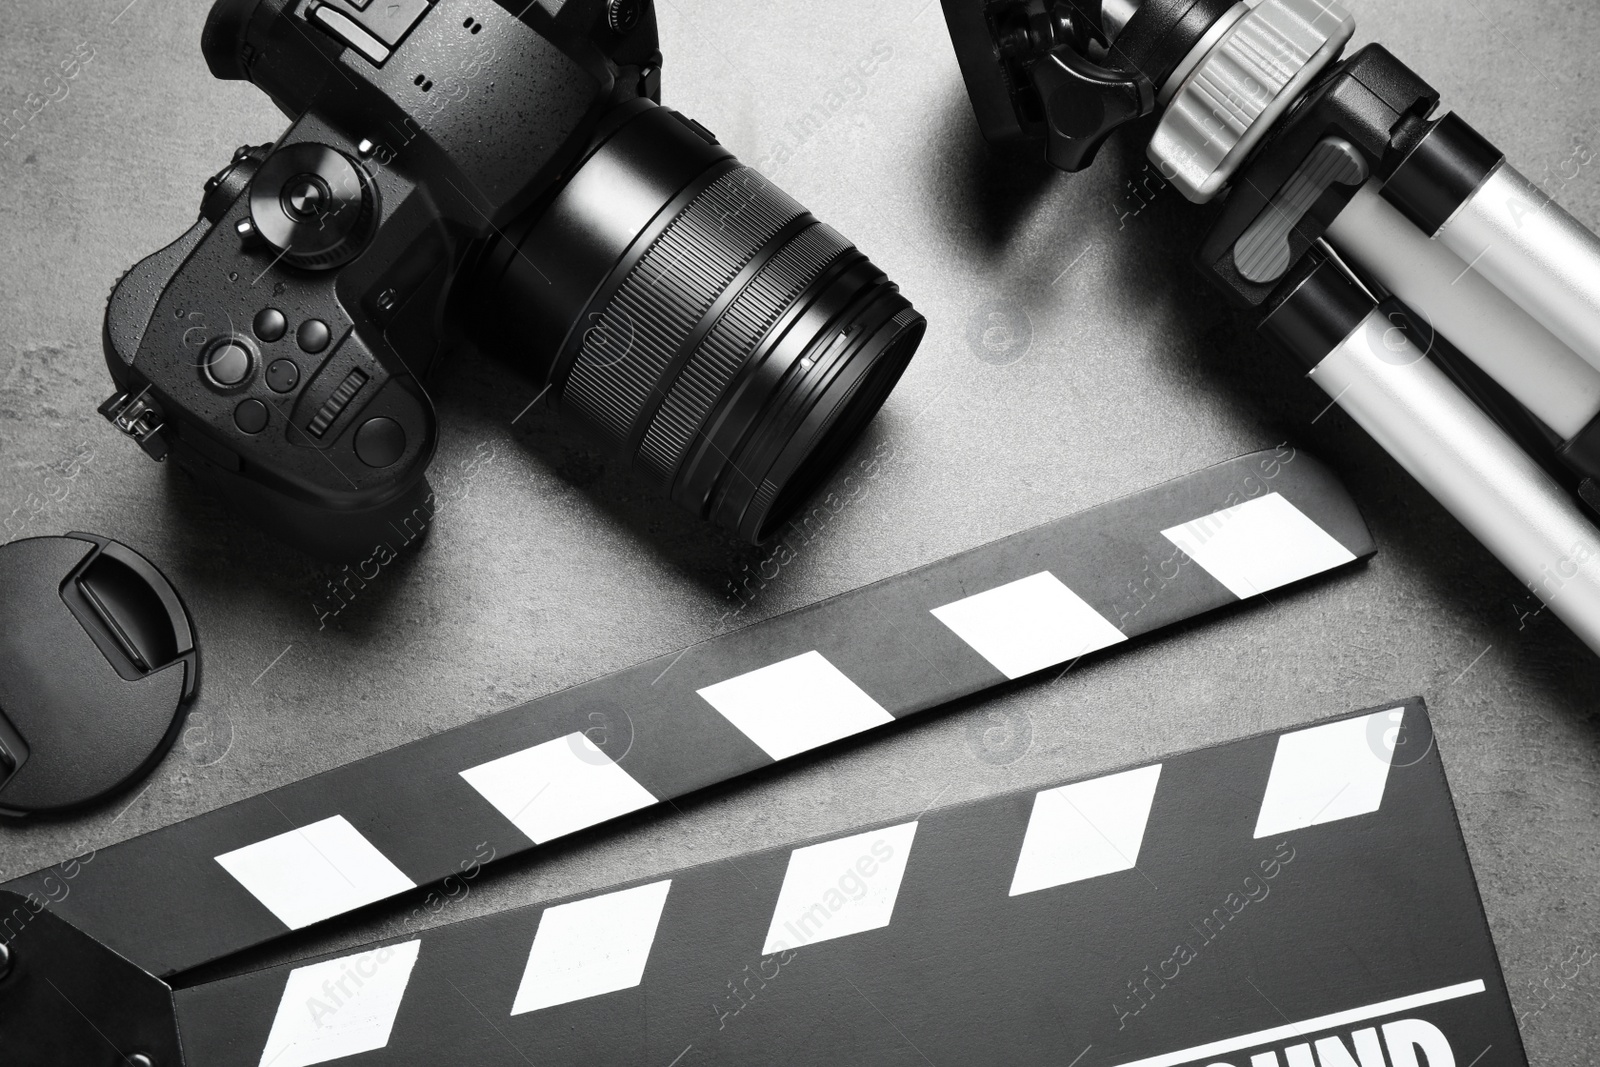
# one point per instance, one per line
(98, 665)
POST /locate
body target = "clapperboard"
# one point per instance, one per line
(1293, 900)
(113, 936)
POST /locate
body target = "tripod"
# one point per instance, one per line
(1435, 293)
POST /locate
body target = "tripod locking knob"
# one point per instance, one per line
(1083, 104)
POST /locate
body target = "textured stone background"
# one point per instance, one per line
(547, 566)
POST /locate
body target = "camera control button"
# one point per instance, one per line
(337, 401)
(623, 15)
(391, 20)
(305, 198)
(270, 325)
(313, 336)
(282, 375)
(250, 416)
(350, 32)
(228, 364)
(380, 442)
(313, 204)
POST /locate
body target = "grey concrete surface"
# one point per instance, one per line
(547, 566)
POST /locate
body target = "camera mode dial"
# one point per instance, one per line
(313, 204)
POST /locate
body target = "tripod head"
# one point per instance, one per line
(1066, 74)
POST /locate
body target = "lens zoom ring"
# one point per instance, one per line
(642, 330)
(729, 343)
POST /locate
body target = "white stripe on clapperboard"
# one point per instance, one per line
(568, 784)
(601, 944)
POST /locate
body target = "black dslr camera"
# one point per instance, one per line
(456, 169)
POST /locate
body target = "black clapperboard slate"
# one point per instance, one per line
(113, 934)
(1301, 899)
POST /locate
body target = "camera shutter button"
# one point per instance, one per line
(305, 199)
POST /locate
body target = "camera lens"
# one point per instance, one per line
(700, 323)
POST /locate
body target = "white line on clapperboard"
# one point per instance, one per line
(1324, 1022)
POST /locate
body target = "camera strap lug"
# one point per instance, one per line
(138, 416)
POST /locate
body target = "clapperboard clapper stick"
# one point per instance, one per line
(1301, 899)
(92, 947)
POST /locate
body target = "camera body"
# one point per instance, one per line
(278, 349)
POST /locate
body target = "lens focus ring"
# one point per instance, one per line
(704, 328)
(728, 345)
(631, 348)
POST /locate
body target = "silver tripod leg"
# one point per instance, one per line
(1468, 463)
(1534, 252)
(1527, 360)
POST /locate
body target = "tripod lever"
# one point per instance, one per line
(1263, 252)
